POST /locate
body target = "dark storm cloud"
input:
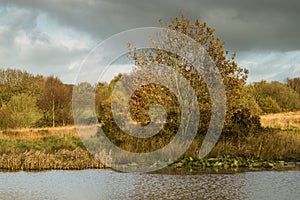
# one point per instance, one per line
(53, 36)
(24, 46)
(243, 25)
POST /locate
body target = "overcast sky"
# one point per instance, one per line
(52, 37)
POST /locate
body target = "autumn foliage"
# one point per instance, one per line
(27, 100)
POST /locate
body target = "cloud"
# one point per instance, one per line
(25, 44)
(271, 66)
(242, 25)
(52, 36)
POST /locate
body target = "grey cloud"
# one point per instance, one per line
(274, 66)
(243, 25)
(24, 46)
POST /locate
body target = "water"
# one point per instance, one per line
(106, 184)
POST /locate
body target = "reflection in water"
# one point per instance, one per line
(105, 184)
(205, 186)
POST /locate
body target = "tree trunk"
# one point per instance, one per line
(53, 113)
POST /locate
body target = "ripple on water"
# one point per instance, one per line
(106, 184)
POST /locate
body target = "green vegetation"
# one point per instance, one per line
(33, 101)
(40, 151)
(48, 144)
(227, 163)
(23, 110)
(294, 83)
(275, 97)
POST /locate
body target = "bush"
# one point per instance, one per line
(269, 105)
(270, 94)
(244, 124)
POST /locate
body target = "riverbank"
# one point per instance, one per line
(60, 148)
(232, 163)
(61, 159)
(44, 149)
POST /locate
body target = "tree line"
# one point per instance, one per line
(29, 100)
(274, 97)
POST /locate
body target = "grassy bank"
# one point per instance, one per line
(60, 148)
(43, 149)
(273, 146)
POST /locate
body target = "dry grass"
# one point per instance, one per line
(37, 134)
(281, 120)
(44, 148)
(41, 160)
(267, 145)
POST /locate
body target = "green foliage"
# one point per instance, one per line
(269, 105)
(23, 95)
(226, 163)
(294, 83)
(49, 144)
(6, 120)
(14, 82)
(22, 108)
(55, 102)
(270, 94)
(244, 124)
(249, 102)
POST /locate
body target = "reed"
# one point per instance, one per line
(44, 149)
(269, 144)
(34, 159)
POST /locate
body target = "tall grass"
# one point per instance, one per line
(270, 144)
(35, 134)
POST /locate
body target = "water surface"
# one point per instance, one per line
(107, 184)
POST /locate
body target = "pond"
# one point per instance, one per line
(107, 184)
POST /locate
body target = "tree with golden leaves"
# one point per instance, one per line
(234, 77)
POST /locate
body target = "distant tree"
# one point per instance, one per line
(294, 83)
(6, 120)
(55, 101)
(23, 109)
(103, 97)
(65, 114)
(250, 103)
(286, 98)
(82, 96)
(14, 82)
(269, 105)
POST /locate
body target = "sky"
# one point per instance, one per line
(52, 37)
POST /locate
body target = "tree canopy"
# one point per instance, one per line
(275, 97)
(234, 77)
(26, 100)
